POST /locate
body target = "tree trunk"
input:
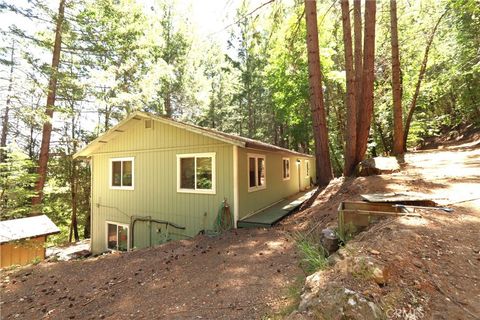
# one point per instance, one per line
(168, 104)
(320, 133)
(423, 68)
(3, 139)
(396, 85)
(385, 143)
(47, 126)
(351, 130)
(73, 192)
(73, 181)
(357, 28)
(365, 112)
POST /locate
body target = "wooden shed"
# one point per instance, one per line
(23, 240)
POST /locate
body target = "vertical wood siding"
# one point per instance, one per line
(22, 252)
(155, 174)
(277, 188)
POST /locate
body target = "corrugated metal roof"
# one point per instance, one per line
(215, 134)
(30, 227)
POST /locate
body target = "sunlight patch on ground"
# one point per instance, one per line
(413, 221)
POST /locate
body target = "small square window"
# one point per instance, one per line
(121, 173)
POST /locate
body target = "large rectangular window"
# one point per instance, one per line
(286, 168)
(121, 173)
(256, 172)
(118, 237)
(196, 173)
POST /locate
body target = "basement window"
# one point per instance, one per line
(196, 173)
(257, 178)
(122, 173)
(118, 237)
(286, 168)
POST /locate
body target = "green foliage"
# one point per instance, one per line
(314, 256)
(17, 182)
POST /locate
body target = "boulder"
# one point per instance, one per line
(378, 166)
(329, 240)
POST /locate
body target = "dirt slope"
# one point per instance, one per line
(247, 274)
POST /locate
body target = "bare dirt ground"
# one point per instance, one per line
(434, 261)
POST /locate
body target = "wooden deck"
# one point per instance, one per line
(276, 212)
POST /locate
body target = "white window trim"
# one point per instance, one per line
(107, 222)
(195, 156)
(132, 187)
(256, 156)
(289, 171)
(307, 168)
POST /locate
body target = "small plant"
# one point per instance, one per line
(363, 270)
(36, 261)
(345, 235)
(314, 256)
(292, 299)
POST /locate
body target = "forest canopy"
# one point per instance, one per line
(116, 57)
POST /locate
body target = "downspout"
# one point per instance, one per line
(236, 201)
(91, 203)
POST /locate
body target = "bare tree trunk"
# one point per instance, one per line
(396, 85)
(365, 112)
(250, 111)
(73, 171)
(351, 130)
(423, 68)
(47, 126)
(320, 133)
(3, 139)
(357, 28)
(385, 144)
(168, 104)
(73, 192)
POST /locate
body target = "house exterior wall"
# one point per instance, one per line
(22, 252)
(276, 188)
(155, 193)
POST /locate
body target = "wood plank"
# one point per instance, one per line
(397, 197)
(273, 214)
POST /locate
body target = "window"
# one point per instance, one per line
(121, 173)
(256, 172)
(196, 173)
(118, 237)
(307, 168)
(286, 168)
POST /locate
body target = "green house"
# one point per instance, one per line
(155, 179)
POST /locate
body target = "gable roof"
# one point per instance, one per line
(23, 228)
(211, 133)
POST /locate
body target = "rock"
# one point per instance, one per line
(295, 315)
(334, 258)
(417, 263)
(329, 240)
(378, 166)
(339, 301)
(375, 252)
(310, 291)
(379, 275)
